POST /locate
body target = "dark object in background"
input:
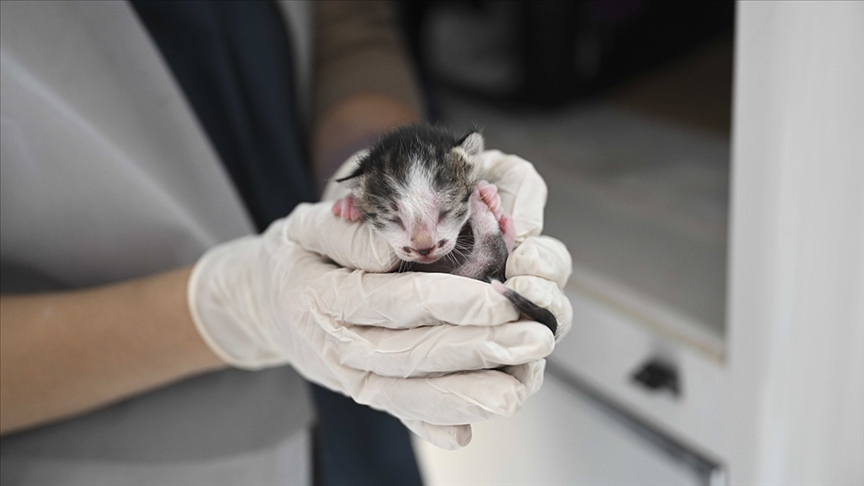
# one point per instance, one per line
(656, 375)
(551, 52)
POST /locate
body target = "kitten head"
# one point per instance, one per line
(413, 187)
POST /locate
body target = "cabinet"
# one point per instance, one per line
(772, 391)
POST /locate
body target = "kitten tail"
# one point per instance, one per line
(525, 306)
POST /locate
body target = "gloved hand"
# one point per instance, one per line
(539, 266)
(422, 347)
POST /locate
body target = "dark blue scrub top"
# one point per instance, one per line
(233, 62)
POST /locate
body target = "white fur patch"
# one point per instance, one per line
(420, 210)
(420, 203)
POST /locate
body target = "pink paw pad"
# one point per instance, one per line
(489, 195)
(347, 208)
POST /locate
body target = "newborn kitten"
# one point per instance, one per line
(419, 188)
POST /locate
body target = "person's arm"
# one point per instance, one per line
(66, 353)
(364, 83)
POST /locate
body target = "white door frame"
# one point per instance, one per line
(795, 329)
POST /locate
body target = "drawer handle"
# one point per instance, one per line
(658, 376)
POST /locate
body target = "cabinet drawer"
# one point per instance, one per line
(610, 343)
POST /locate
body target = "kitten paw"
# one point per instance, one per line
(483, 220)
(488, 193)
(347, 208)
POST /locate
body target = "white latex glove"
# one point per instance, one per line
(422, 347)
(539, 266)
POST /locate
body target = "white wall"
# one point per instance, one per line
(796, 286)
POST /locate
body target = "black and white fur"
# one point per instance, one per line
(419, 187)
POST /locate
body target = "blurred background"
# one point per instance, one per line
(625, 108)
(705, 167)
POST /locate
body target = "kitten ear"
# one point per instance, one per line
(352, 180)
(352, 170)
(472, 143)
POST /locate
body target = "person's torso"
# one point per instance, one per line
(105, 175)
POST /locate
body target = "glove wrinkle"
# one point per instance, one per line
(529, 374)
(505, 405)
(541, 256)
(427, 350)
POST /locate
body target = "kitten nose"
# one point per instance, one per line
(421, 238)
(424, 251)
